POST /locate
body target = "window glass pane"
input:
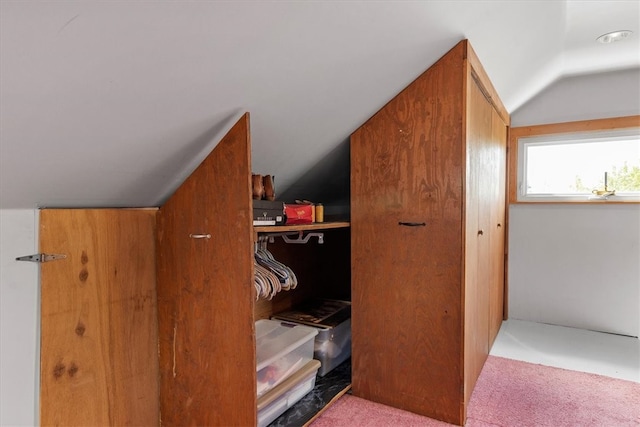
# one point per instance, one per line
(579, 167)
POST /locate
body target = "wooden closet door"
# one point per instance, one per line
(497, 225)
(99, 343)
(406, 279)
(205, 292)
(477, 236)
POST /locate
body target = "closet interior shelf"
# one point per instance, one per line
(300, 227)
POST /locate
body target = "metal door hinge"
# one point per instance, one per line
(41, 257)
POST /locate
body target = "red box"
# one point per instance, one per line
(299, 214)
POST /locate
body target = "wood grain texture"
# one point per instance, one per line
(480, 173)
(486, 85)
(421, 326)
(406, 281)
(498, 227)
(205, 292)
(99, 339)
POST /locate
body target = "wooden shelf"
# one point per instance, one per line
(300, 227)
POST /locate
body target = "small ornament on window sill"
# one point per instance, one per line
(603, 194)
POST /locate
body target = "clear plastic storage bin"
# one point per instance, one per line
(281, 349)
(282, 397)
(332, 319)
(333, 346)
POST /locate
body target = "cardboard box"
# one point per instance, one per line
(268, 212)
(299, 214)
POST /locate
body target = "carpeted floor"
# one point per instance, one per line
(510, 393)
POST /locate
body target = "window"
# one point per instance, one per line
(580, 165)
(576, 166)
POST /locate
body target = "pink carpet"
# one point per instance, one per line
(510, 393)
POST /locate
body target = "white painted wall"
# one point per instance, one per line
(19, 319)
(576, 265)
(594, 96)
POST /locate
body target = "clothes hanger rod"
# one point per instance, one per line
(304, 239)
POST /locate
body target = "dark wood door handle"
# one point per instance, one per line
(412, 224)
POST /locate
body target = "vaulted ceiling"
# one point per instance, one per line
(109, 104)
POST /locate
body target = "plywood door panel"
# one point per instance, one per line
(98, 318)
(497, 225)
(406, 280)
(478, 209)
(205, 291)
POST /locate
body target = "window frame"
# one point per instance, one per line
(557, 130)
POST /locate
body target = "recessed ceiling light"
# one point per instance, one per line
(614, 36)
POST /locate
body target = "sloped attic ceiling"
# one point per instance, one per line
(110, 104)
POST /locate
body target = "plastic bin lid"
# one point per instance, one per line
(275, 339)
(311, 368)
(320, 313)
